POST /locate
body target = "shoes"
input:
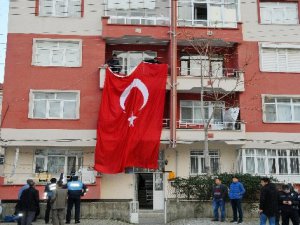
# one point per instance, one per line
(67, 222)
(77, 221)
(214, 220)
(233, 221)
(240, 221)
(222, 220)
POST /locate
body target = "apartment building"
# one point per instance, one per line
(55, 75)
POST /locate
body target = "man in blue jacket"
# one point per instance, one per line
(236, 192)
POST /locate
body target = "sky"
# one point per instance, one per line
(3, 33)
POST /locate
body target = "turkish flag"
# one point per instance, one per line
(130, 119)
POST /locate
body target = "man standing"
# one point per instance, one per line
(29, 204)
(219, 194)
(49, 188)
(236, 192)
(268, 204)
(58, 204)
(288, 203)
(114, 64)
(76, 189)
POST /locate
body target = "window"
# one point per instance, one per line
(54, 105)
(271, 161)
(201, 66)
(190, 111)
(60, 8)
(279, 12)
(56, 161)
(51, 52)
(129, 60)
(279, 57)
(198, 162)
(216, 13)
(281, 109)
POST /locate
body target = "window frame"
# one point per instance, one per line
(35, 51)
(31, 104)
(266, 158)
(53, 14)
(210, 105)
(276, 47)
(213, 154)
(277, 3)
(292, 105)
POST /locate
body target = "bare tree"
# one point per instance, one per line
(204, 52)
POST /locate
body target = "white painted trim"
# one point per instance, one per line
(30, 103)
(34, 43)
(279, 45)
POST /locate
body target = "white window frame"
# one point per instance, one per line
(31, 104)
(207, 104)
(35, 52)
(54, 13)
(279, 96)
(278, 5)
(210, 22)
(213, 154)
(127, 68)
(67, 153)
(276, 47)
(266, 157)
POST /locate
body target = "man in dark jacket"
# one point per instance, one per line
(29, 204)
(114, 64)
(219, 193)
(49, 188)
(76, 189)
(288, 203)
(268, 205)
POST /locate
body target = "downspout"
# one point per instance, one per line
(173, 92)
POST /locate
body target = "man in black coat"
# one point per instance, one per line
(29, 204)
(268, 205)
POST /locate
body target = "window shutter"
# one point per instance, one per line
(46, 8)
(266, 15)
(293, 60)
(281, 60)
(268, 59)
(291, 14)
(72, 57)
(74, 8)
(61, 8)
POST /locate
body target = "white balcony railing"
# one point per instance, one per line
(216, 73)
(134, 20)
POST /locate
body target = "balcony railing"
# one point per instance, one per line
(212, 126)
(207, 23)
(217, 73)
(134, 20)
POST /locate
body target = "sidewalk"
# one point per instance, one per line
(177, 222)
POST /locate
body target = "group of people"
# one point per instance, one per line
(273, 204)
(220, 192)
(58, 197)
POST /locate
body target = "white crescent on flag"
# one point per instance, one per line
(143, 89)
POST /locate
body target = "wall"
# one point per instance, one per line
(22, 17)
(117, 186)
(253, 31)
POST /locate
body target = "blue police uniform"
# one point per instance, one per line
(76, 189)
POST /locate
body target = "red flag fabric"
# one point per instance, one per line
(130, 119)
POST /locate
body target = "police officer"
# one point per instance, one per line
(76, 189)
(288, 203)
(49, 188)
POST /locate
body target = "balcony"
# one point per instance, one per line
(225, 80)
(230, 132)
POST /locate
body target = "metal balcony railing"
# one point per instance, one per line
(215, 125)
(218, 73)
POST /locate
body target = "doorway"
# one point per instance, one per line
(145, 190)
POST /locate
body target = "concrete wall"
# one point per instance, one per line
(117, 186)
(253, 31)
(89, 210)
(22, 16)
(196, 209)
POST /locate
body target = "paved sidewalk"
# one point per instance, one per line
(177, 222)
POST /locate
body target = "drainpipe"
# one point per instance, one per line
(173, 92)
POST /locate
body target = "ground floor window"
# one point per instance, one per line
(271, 161)
(197, 162)
(56, 161)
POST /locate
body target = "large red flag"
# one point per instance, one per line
(130, 119)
